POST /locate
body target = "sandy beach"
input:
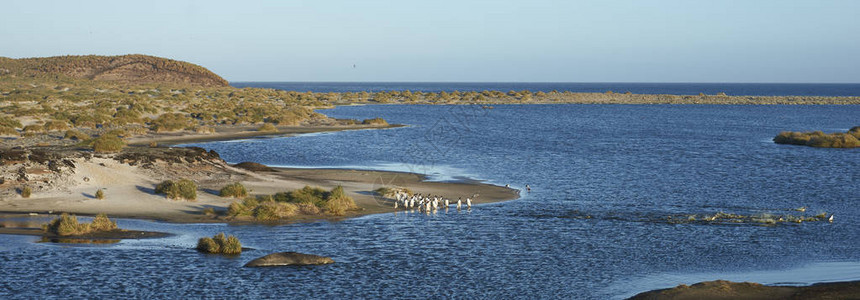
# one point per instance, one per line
(128, 180)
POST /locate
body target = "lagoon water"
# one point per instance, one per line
(604, 179)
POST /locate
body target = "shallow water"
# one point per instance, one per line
(625, 166)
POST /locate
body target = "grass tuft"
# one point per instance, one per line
(220, 244)
(235, 190)
(182, 189)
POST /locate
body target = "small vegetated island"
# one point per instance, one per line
(850, 139)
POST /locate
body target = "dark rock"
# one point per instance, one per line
(289, 259)
(254, 167)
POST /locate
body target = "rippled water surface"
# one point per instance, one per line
(604, 179)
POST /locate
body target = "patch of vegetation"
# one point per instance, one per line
(821, 139)
(304, 201)
(9, 122)
(268, 127)
(182, 189)
(76, 135)
(235, 190)
(34, 128)
(108, 144)
(56, 125)
(66, 225)
(375, 121)
(100, 194)
(25, 192)
(220, 244)
(170, 122)
(8, 131)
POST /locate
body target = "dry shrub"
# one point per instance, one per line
(182, 189)
(56, 125)
(76, 135)
(220, 244)
(108, 144)
(102, 223)
(66, 225)
(267, 127)
(235, 190)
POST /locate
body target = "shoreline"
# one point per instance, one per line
(241, 133)
(137, 202)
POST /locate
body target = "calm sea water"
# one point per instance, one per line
(735, 89)
(626, 166)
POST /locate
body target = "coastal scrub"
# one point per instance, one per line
(108, 144)
(235, 190)
(182, 189)
(66, 225)
(820, 139)
(305, 201)
(220, 244)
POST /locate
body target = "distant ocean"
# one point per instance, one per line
(732, 89)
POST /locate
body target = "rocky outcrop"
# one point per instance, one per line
(289, 259)
(134, 69)
(721, 289)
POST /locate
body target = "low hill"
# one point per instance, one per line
(133, 69)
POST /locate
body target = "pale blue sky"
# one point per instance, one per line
(459, 40)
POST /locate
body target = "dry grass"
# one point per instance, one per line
(235, 190)
(220, 244)
(182, 189)
(66, 225)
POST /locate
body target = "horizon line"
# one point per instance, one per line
(586, 82)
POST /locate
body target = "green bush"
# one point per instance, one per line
(25, 192)
(220, 244)
(76, 135)
(108, 144)
(100, 194)
(235, 190)
(182, 189)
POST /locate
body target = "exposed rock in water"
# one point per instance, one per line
(253, 167)
(289, 259)
(721, 289)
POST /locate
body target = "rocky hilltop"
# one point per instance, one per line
(133, 69)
